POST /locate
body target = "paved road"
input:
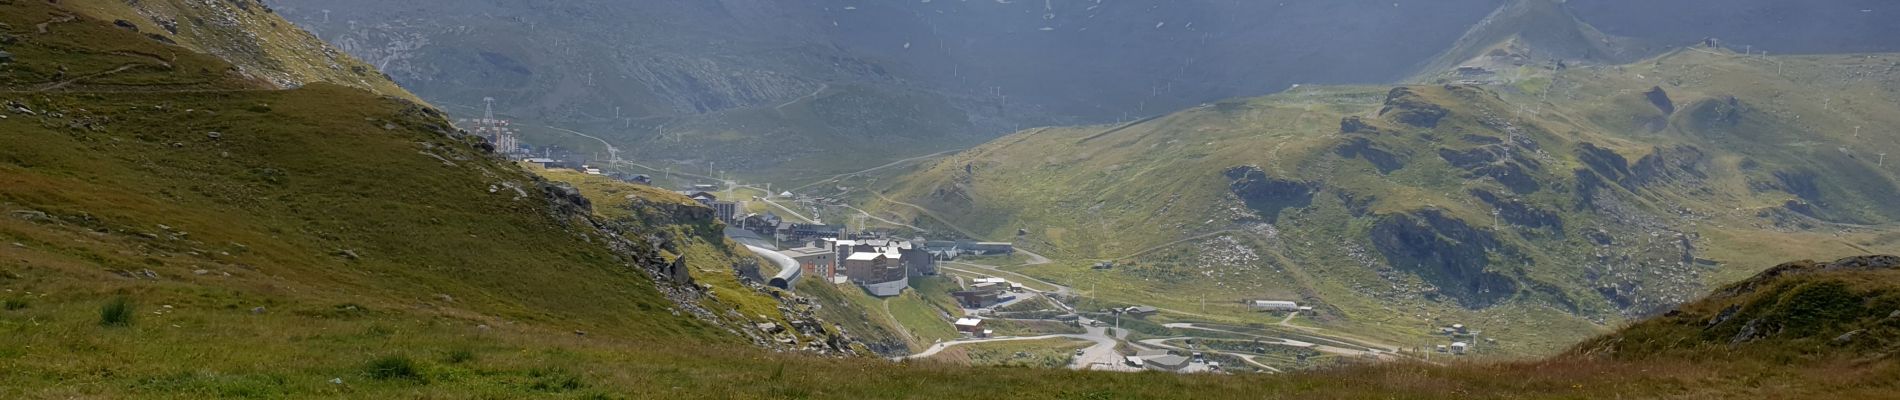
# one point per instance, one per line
(784, 262)
(1100, 356)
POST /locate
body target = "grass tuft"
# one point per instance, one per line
(460, 356)
(14, 304)
(117, 313)
(394, 367)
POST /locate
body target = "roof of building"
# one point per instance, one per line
(969, 321)
(1142, 309)
(1151, 353)
(864, 256)
(805, 252)
(1169, 360)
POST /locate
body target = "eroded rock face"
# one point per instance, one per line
(1496, 162)
(1524, 214)
(1383, 160)
(1405, 106)
(1268, 196)
(1447, 253)
(1678, 164)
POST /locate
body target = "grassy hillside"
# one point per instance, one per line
(1544, 209)
(246, 33)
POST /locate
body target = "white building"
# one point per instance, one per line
(1273, 305)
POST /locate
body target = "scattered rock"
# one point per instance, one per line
(201, 272)
(1847, 337)
(5, 57)
(336, 381)
(258, 310)
(1895, 314)
(214, 135)
(389, 126)
(482, 327)
(1724, 315)
(444, 298)
(125, 24)
(580, 333)
(19, 245)
(1748, 332)
(348, 254)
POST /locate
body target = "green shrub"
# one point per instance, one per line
(553, 380)
(394, 367)
(14, 304)
(116, 313)
(459, 356)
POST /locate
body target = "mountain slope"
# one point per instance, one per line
(1546, 208)
(246, 33)
(1534, 31)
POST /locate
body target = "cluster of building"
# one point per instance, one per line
(1461, 336)
(882, 267)
(771, 225)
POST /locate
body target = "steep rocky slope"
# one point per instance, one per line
(1544, 206)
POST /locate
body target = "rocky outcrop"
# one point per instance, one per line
(1660, 99)
(1498, 163)
(1268, 196)
(1677, 164)
(1519, 213)
(1605, 162)
(1447, 253)
(1715, 116)
(1403, 105)
(1362, 148)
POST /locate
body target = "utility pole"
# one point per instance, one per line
(1883, 160)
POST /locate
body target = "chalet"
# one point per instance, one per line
(1140, 311)
(973, 326)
